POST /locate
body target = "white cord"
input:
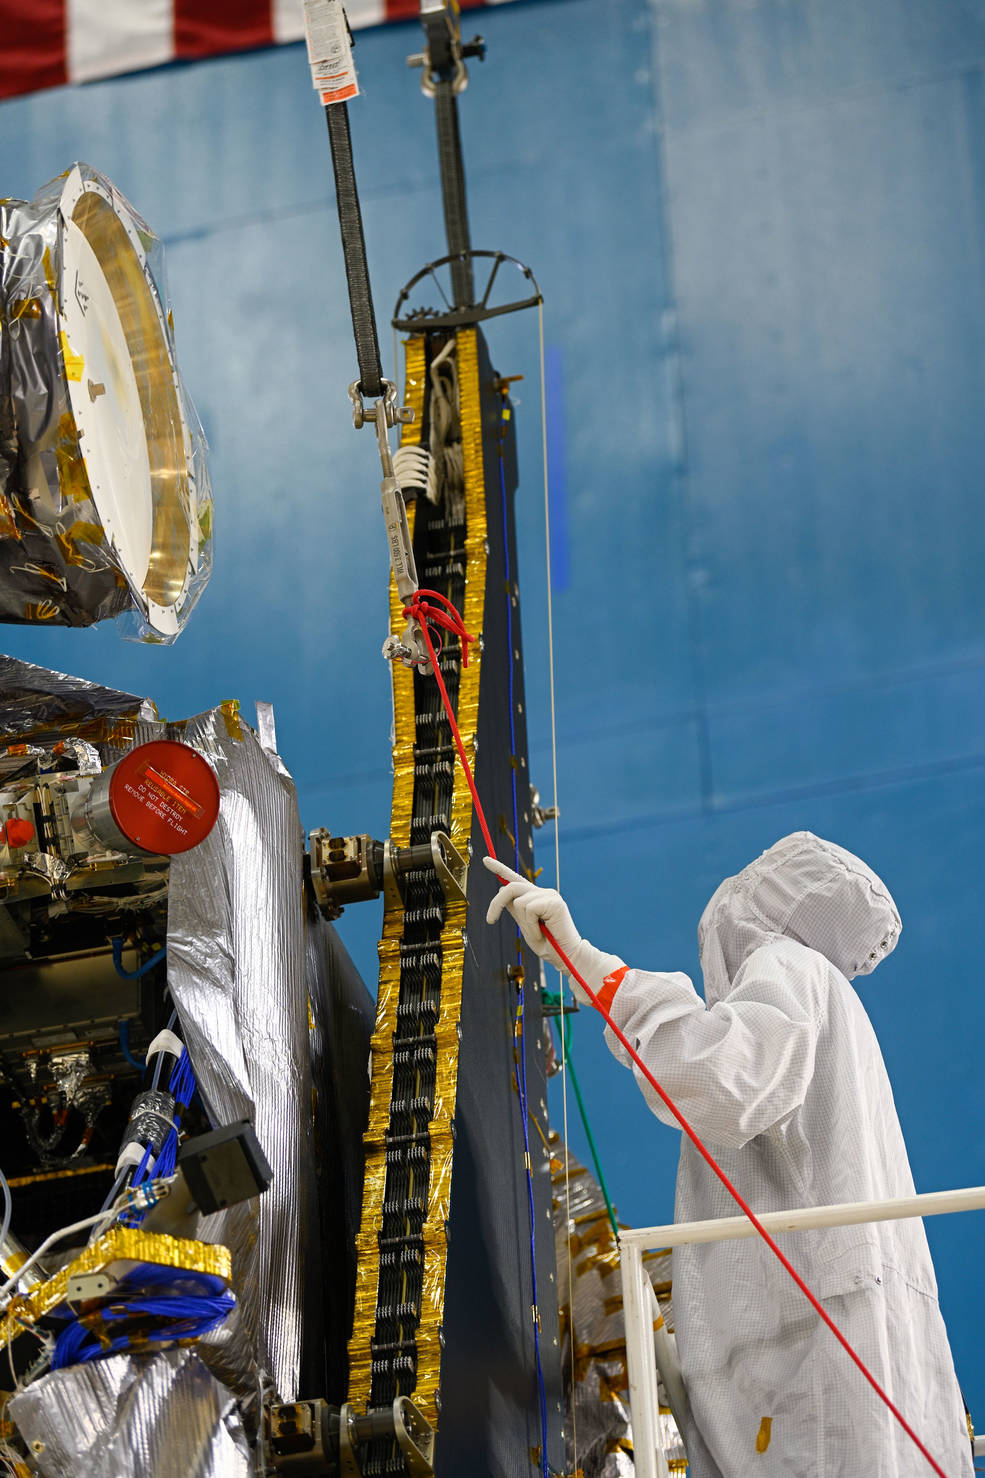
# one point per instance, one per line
(557, 879)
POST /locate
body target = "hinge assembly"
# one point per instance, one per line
(310, 1439)
(350, 869)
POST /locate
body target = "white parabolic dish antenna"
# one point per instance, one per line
(124, 392)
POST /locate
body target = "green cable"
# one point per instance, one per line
(569, 1066)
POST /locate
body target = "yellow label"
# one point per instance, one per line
(764, 1433)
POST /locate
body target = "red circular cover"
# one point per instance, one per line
(164, 797)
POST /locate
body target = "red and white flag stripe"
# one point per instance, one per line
(44, 43)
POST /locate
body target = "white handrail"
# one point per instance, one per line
(636, 1290)
(848, 1213)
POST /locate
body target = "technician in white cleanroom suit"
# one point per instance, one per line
(778, 1070)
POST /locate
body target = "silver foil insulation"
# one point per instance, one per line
(159, 1416)
(236, 968)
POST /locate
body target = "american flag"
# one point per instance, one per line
(45, 43)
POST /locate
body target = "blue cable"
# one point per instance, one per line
(125, 1046)
(181, 1087)
(520, 1069)
(155, 959)
(192, 1303)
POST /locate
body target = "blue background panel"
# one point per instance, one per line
(760, 233)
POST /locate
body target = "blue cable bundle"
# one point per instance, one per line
(182, 1089)
(152, 1306)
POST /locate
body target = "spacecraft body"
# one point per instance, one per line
(274, 1018)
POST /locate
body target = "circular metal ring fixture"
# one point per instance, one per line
(125, 397)
(105, 503)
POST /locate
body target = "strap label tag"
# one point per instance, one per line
(333, 73)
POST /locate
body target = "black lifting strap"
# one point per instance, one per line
(453, 193)
(354, 251)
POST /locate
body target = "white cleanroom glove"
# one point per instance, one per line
(529, 905)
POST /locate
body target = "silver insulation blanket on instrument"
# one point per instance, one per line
(593, 1327)
(133, 1417)
(236, 968)
(36, 701)
(64, 559)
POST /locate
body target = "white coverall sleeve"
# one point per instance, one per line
(736, 1068)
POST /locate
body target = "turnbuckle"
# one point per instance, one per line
(409, 648)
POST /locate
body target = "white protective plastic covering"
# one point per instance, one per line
(781, 1075)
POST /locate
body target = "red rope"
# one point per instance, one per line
(449, 618)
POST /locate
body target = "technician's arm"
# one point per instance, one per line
(734, 1069)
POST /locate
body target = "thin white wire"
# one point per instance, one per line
(557, 876)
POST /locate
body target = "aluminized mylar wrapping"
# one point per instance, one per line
(37, 704)
(236, 968)
(590, 1298)
(105, 502)
(130, 1416)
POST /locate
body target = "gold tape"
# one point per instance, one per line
(119, 1244)
(452, 936)
(74, 363)
(381, 1080)
(25, 308)
(13, 1259)
(58, 1174)
(229, 709)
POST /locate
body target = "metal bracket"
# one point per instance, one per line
(88, 1285)
(540, 814)
(348, 1460)
(451, 867)
(415, 1437)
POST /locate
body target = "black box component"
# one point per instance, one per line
(225, 1166)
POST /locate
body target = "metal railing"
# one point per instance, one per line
(648, 1345)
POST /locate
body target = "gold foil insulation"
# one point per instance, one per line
(117, 1250)
(452, 936)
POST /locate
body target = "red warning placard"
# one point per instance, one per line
(164, 797)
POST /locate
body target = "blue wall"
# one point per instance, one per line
(760, 231)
